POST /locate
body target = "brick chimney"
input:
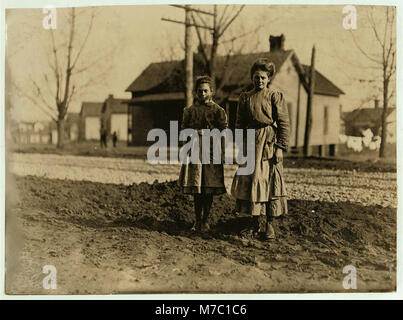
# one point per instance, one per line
(277, 42)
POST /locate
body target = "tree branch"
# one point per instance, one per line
(202, 48)
(48, 84)
(363, 52)
(242, 35)
(373, 26)
(56, 69)
(85, 40)
(23, 94)
(230, 21)
(391, 45)
(392, 93)
(70, 96)
(223, 15)
(40, 95)
(223, 21)
(392, 67)
(386, 26)
(62, 106)
(204, 23)
(224, 75)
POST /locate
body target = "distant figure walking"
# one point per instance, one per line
(103, 137)
(114, 138)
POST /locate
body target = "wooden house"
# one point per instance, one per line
(90, 120)
(115, 117)
(357, 121)
(158, 95)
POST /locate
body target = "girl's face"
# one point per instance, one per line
(204, 93)
(260, 79)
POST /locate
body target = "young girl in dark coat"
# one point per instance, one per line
(203, 181)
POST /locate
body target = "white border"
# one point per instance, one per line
(299, 296)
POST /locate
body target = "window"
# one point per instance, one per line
(325, 120)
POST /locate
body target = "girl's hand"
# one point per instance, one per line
(278, 156)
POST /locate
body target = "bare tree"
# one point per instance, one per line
(383, 59)
(222, 20)
(69, 66)
(64, 89)
(173, 51)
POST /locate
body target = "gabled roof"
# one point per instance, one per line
(73, 117)
(169, 76)
(117, 105)
(153, 75)
(159, 97)
(91, 109)
(322, 84)
(365, 116)
(240, 65)
(165, 77)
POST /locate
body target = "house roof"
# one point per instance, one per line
(172, 72)
(241, 64)
(159, 97)
(322, 84)
(91, 109)
(365, 115)
(117, 105)
(169, 76)
(153, 75)
(72, 117)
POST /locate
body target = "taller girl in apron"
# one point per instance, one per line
(262, 194)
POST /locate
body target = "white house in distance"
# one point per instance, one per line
(90, 124)
(357, 121)
(110, 114)
(72, 126)
(31, 132)
(157, 96)
(115, 117)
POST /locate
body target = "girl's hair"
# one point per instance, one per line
(265, 65)
(204, 79)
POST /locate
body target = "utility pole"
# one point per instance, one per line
(308, 124)
(188, 58)
(188, 47)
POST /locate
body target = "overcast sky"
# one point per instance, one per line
(126, 39)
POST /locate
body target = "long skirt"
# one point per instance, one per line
(202, 179)
(198, 178)
(263, 191)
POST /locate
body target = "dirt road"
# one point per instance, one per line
(129, 234)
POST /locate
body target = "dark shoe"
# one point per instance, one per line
(262, 223)
(196, 227)
(205, 227)
(269, 234)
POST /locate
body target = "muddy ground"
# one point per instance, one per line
(133, 237)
